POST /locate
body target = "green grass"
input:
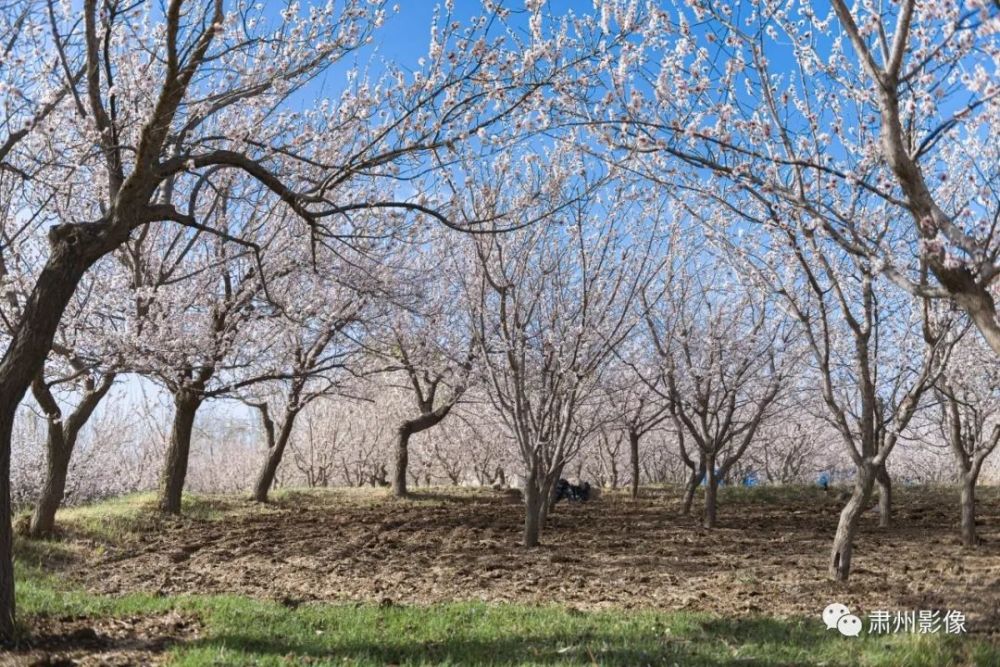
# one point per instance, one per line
(116, 520)
(243, 631)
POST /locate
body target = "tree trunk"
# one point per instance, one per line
(402, 460)
(533, 502)
(548, 491)
(428, 419)
(689, 490)
(884, 496)
(186, 405)
(7, 610)
(711, 491)
(633, 446)
(843, 541)
(73, 250)
(969, 537)
(57, 457)
(265, 480)
(60, 442)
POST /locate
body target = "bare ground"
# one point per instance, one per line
(767, 555)
(105, 642)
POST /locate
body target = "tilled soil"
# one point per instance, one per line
(765, 556)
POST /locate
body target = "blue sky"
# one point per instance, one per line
(405, 36)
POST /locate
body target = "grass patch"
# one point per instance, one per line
(117, 520)
(244, 631)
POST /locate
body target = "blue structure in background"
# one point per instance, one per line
(824, 480)
(718, 476)
(749, 479)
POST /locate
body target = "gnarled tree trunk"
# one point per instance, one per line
(276, 445)
(403, 433)
(847, 528)
(60, 441)
(186, 404)
(73, 250)
(57, 456)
